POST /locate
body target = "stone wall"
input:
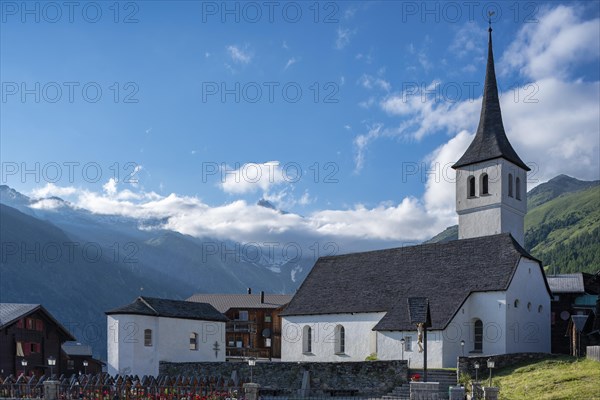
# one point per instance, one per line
(367, 378)
(466, 364)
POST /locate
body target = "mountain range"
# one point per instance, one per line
(79, 264)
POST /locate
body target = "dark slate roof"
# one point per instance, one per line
(566, 283)
(224, 302)
(170, 309)
(383, 280)
(11, 312)
(490, 141)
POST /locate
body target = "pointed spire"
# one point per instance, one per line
(490, 141)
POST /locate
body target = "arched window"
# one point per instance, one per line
(516, 303)
(518, 188)
(484, 187)
(478, 336)
(510, 185)
(340, 339)
(147, 337)
(193, 341)
(471, 186)
(307, 339)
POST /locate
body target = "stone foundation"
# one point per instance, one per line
(368, 378)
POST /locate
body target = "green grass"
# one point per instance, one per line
(550, 379)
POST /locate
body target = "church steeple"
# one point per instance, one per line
(491, 179)
(490, 141)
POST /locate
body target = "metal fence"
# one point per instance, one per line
(104, 387)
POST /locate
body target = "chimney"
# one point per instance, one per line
(262, 297)
(249, 290)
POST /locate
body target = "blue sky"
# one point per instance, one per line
(200, 101)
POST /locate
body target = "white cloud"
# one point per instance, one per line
(47, 204)
(343, 36)
(550, 47)
(50, 190)
(351, 229)
(110, 187)
(290, 62)
(369, 82)
(251, 177)
(361, 142)
(238, 55)
(467, 41)
(552, 121)
(439, 196)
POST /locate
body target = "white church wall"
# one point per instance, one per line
(389, 347)
(528, 324)
(360, 339)
(127, 353)
(490, 308)
(174, 342)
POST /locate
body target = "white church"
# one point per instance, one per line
(482, 294)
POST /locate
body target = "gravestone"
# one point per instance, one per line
(490, 393)
(251, 390)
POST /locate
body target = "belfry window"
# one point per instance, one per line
(518, 188)
(484, 187)
(510, 185)
(471, 186)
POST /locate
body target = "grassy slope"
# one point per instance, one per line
(551, 379)
(564, 232)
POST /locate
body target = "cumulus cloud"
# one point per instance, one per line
(110, 187)
(552, 117)
(551, 47)
(252, 177)
(50, 189)
(349, 229)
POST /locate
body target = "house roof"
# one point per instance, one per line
(77, 349)
(224, 302)
(490, 141)
(382, 281)
(170, 309)
(11, 312)
(566, 283)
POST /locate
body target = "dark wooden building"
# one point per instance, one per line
(76, 355)
(575, 312)
(254, 326)
(29, 332)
